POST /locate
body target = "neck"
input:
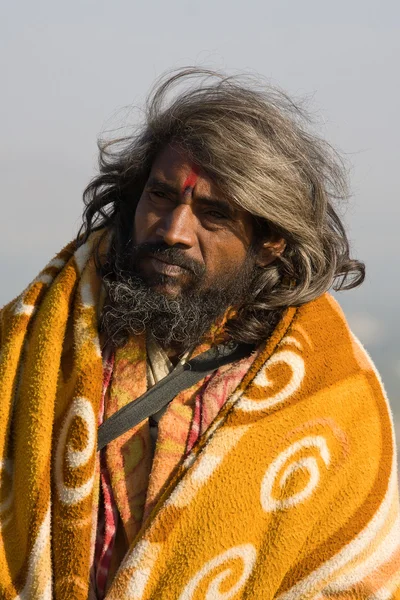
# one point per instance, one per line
(175, 352)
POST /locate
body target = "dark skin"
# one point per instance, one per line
(181, 206)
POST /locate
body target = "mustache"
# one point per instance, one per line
(171, 254)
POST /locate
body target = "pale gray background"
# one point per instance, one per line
(68, 69)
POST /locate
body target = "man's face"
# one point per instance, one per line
(187, 233)
(191, 258)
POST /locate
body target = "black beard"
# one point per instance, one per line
(133, 307)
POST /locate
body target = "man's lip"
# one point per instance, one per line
(165, 261)
(166, 268)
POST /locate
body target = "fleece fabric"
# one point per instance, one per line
(136, 470)
(291, 491)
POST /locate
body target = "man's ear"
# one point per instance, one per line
(269, 251)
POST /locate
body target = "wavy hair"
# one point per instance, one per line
(257, 146)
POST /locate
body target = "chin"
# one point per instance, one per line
(167, 289)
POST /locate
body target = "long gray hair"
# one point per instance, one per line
(256, 144)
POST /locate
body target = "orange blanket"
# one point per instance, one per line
(290, 493)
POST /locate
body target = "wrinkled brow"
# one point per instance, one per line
(218, 203)
(162, 186)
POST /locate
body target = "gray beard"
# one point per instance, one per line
(133, 307)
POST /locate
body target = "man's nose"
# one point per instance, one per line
(178, 227)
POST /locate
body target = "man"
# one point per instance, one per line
(272, 475)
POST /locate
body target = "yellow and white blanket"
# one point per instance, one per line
(290, 493)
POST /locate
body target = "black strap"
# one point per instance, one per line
(182, 377)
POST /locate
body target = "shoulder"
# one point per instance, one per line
(338, 379)
(317, 390)
(322, 442)
(314, 371)
(328, 346)
(326, 327)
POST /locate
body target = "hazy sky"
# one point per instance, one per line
(69, 70)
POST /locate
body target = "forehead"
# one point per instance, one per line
(175, 167)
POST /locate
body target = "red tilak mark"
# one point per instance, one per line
(190, 180)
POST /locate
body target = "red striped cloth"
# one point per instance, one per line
(108, 513)
(208, 399)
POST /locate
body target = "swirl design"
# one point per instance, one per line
(82, 408)
(308, 463)
(263, 384)
(246, 554)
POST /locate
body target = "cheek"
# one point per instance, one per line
(142, 222)
(227, 258)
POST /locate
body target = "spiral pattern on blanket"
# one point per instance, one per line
(266, 392)
(285, 466)
(228, 560)
(80, 408)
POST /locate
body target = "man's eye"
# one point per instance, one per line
(160, 196)
(215, 214)
(157, 193)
